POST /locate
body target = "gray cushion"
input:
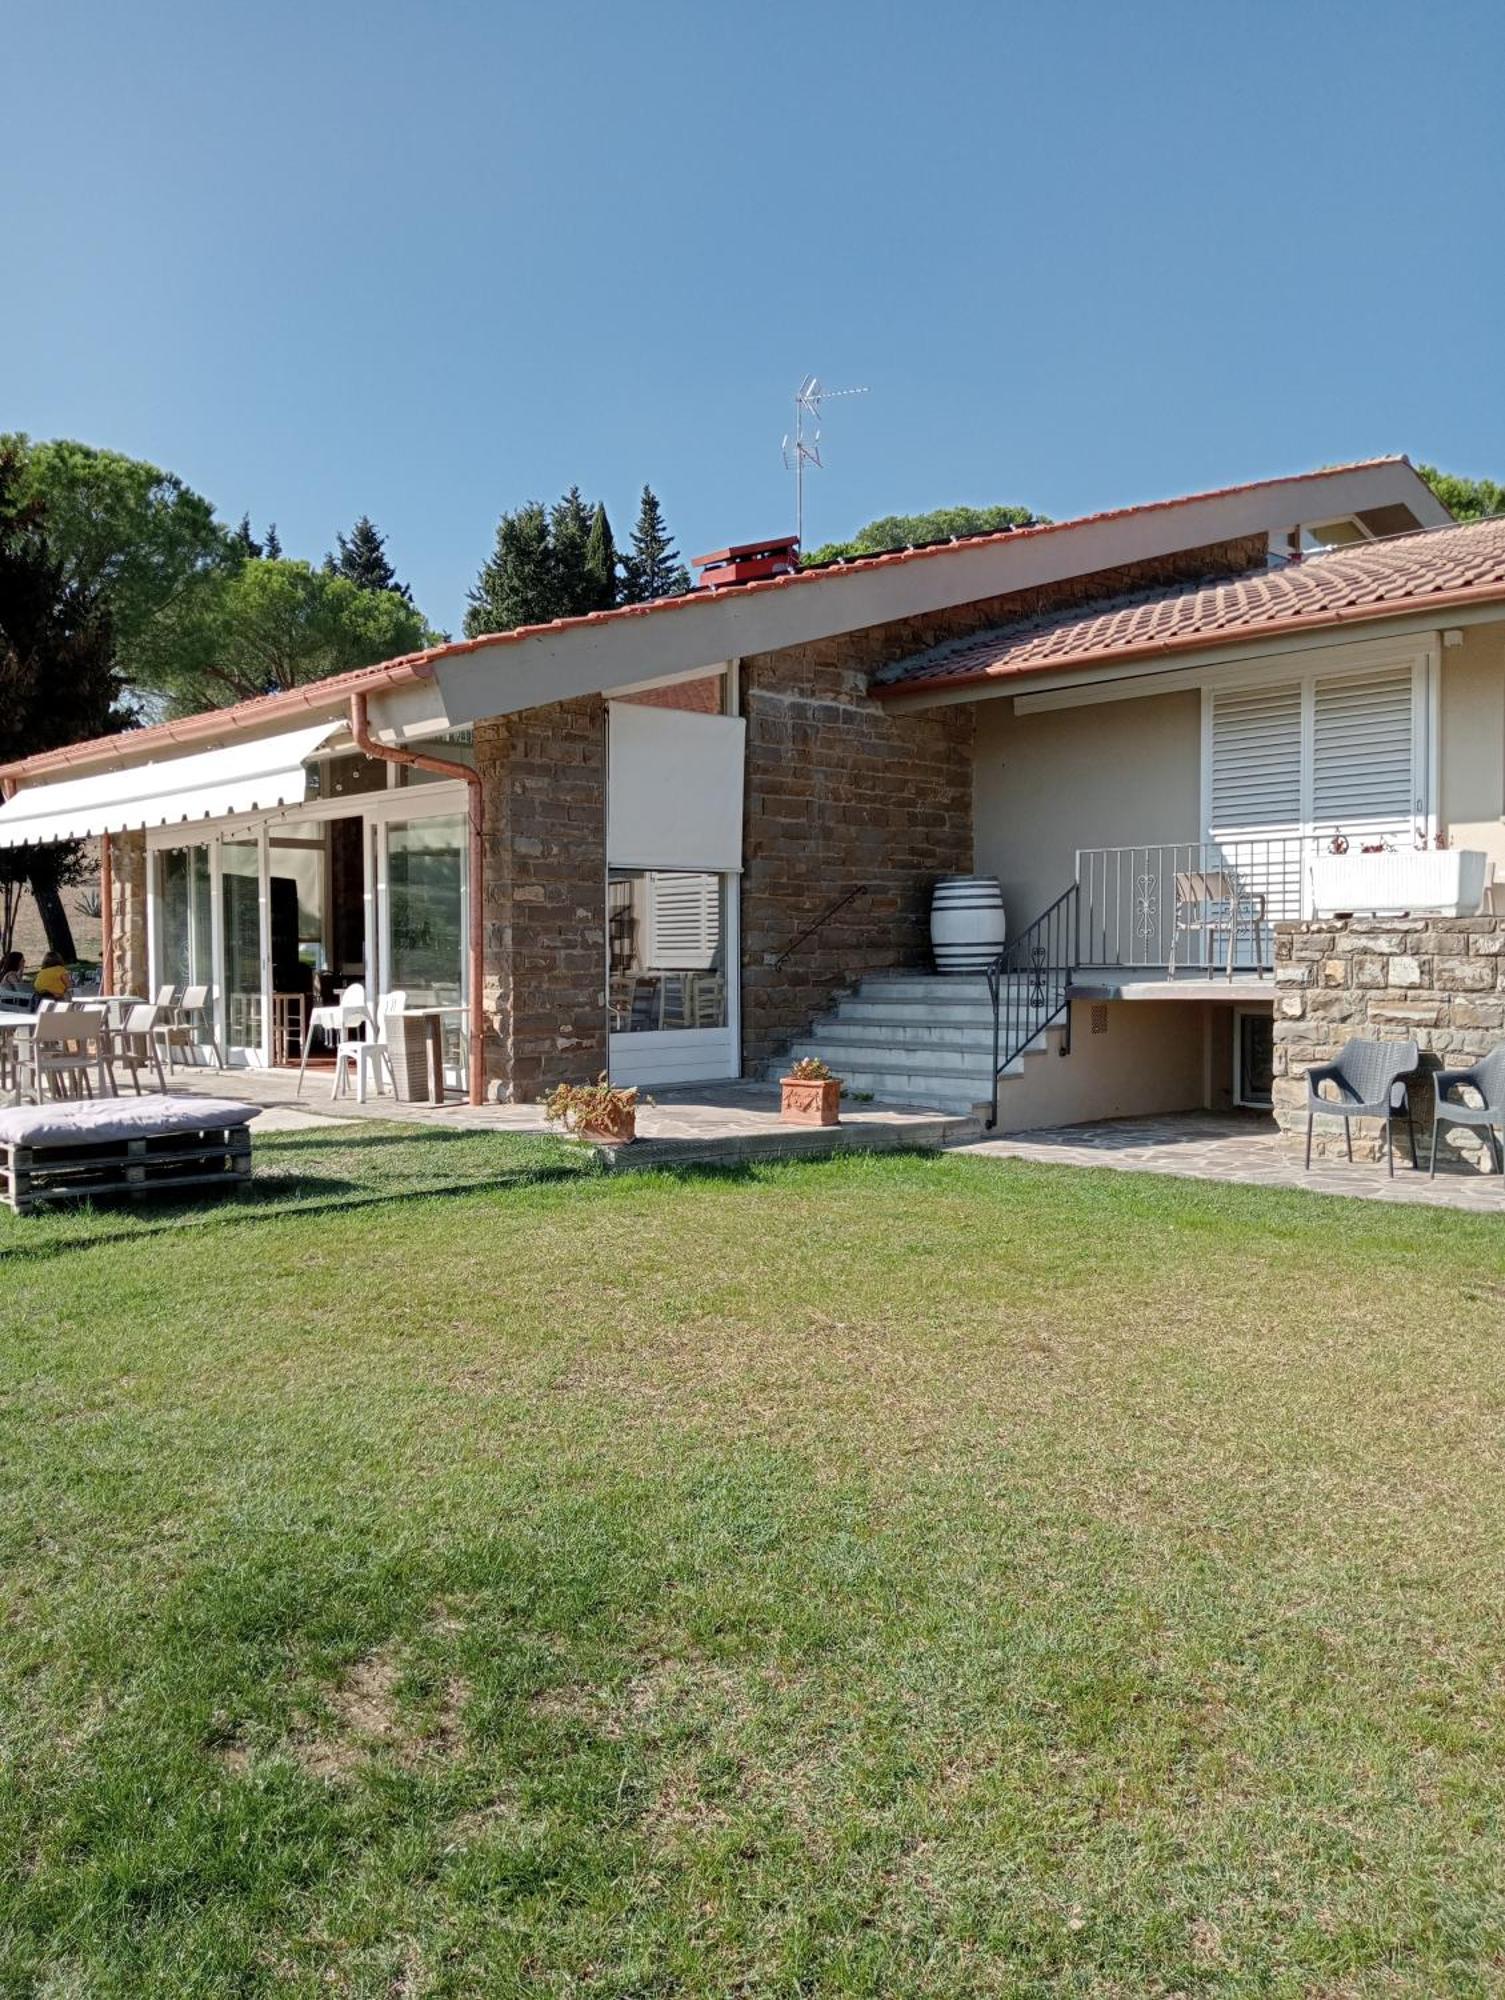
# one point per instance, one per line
(104, 1119)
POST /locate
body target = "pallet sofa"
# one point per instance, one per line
(122, 1146)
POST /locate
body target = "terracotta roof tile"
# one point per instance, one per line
(1433, 568)
(328, 694)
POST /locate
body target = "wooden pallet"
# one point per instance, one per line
(217, 1157)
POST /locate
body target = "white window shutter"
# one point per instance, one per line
(1256, 761)
(1363, 778)
(684, 924)
(1257, 790)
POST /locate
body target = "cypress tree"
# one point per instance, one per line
(653, 568)
(601, 562)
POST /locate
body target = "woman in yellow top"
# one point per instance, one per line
(53, 980)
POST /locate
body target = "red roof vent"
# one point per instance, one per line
(748, 562)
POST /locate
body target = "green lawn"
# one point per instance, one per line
(895, 1576)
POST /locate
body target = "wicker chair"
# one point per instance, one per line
(1366, 1076)
(1487, 1077)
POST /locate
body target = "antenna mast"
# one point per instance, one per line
(801, 449)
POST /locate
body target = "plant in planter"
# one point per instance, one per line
(809, 1094)
(604, 1112)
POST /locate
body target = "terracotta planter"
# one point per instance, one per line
(618, 1128)
(814, 1103)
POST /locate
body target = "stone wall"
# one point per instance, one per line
(1437, 981)
(844, 794)
(839, 797)
(129, 970)
(544, 779)
(840, 794)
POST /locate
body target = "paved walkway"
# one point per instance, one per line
(716, 1123)
(1249, 1149)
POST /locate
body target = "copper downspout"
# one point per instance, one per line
(106, 917)
(419, 760)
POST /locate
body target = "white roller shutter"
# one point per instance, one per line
(1257, 790)
(1363, 755)
(1256, 760)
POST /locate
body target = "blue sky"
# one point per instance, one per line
(427, 261)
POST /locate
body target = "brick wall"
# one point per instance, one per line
(843, 793)
(1438, 981)
(544, 902)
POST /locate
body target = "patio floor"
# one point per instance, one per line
(691, 1124)
(1246, 1148)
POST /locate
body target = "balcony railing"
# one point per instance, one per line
(1204, 905)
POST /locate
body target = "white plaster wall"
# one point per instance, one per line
(1113, 775)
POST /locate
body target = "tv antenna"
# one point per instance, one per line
(802, 446)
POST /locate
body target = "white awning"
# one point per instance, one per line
(255, 776)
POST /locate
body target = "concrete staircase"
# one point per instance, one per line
(919, 1038)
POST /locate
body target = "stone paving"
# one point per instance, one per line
(1249, 1149)
(717, 1123)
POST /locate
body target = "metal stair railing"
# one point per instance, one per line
(1028, 984)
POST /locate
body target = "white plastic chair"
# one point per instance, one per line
(368, 1056)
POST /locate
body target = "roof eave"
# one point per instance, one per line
(998, 677)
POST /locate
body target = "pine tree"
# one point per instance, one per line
(245, 542)
(517, 585)
(271, 548)
(653, 569)
(570, 526)
(601, 563)
(363, 558)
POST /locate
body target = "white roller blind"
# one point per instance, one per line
(1256, 760)
(674, 788)
(1363, 777)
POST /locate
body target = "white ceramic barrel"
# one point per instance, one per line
(966, 922)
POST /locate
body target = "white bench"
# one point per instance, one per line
(116, 1145)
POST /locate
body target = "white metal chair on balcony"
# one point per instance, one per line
(1209, 902)
(368, 1056)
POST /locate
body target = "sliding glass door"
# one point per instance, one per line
(276, 916)
(241, 913)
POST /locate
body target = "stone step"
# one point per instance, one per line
(904, 1057)
(923, 986)
(926, 1092)
(956, 1012)
(912, 1034)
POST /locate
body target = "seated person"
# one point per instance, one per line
(53, 980)
(13, 974)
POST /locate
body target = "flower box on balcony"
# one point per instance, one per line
(1446, 882)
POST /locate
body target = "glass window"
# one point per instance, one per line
(458, 747)
(425, 908)
(184, 917)
(347, 777)
(240, 915)
(666, 929)
(298, 861)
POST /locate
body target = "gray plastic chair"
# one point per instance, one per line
(1487, 1077)
(1367, 1076)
